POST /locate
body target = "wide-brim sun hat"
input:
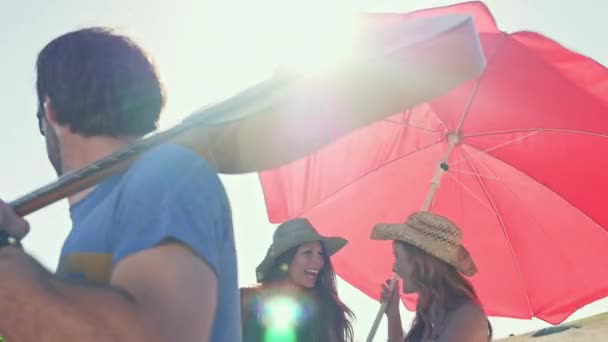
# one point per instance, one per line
(434, 234)
(291, 234)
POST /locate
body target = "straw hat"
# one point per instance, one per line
(293, 233)
(435, 235)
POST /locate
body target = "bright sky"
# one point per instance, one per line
(209, 49)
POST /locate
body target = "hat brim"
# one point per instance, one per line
(461, 258)
(332, 245)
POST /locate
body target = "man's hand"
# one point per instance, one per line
(164, 293)
(11, 223)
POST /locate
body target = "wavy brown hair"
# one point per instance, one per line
(335, 317)
(441, 289)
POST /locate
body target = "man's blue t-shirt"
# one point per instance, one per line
(168, 193)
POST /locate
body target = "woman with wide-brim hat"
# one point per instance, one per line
(296, 298)
(433, 263)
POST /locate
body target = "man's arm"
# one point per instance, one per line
(164, 293)
(159, 290)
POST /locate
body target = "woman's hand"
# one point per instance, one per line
(395, 330)
(391, 298)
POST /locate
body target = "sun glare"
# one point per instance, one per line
(233, 45)
(317, 43)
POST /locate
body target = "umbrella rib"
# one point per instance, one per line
(530, 131)
(541, 184)
(393, 144)
(471, 192)
(506, 143)
(532, 216)
(435, 183)
(370, 172)
(472, 96)
(478, 84)
(406, 118)
(439, 118)
(539, 130)
(413, 126)
(491, 177)
(502, 226)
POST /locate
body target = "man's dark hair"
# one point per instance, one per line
(100, 83)
(334, 315)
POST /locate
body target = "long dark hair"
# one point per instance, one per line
(441, 290)
(335, 316)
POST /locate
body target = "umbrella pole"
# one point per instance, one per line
(453, 140)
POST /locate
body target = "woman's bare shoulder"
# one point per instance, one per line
(471, 310)
(468, 322)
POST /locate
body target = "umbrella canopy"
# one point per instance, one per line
(523, 169)
(393, 65)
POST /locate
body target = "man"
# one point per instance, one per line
(151, 253)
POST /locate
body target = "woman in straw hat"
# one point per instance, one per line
(433, 263)
(297, 298)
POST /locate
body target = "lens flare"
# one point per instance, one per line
(280, 317)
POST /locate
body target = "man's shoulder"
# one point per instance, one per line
(170, 193)
(170, 159)
(168, 166)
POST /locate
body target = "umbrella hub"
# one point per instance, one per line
(454, 138)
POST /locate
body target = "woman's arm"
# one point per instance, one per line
(395, 328)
